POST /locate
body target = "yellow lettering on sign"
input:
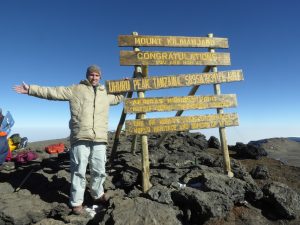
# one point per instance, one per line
(136, 84)
(147, 41)
(111, 87)
(177, 57)
(139, 55)
(141, 130)
(145, 84)
(190, 41)
(184, 127)
(171, 41)
(199, 125)
(152, 122)
(164, 56)
(139, 123)
(181, 123)
(165, 128)
(120, 86)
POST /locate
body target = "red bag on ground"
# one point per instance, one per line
(55, 148)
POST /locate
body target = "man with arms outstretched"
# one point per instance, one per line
(89, 106)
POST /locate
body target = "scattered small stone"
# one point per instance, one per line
(260, 172)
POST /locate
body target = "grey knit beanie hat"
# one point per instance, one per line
(93, 68)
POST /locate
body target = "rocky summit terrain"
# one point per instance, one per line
(188, 185)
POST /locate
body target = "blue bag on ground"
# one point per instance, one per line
(7, 123)
(3, 147)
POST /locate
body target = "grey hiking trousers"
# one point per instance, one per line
(83, 153)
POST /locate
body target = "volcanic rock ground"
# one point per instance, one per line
(188, 185)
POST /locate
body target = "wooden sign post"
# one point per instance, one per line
(141, 73)
(144, 139)
(141, 105)
(224, 146)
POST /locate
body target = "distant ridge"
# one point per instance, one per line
(262, 141)
(294, 139)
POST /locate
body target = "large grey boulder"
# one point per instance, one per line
(231, 187)
(22, 208)
(129, 178)
(160, 194)
(196, 139)
(283, 200)
(199, 206)
(164, 176)
(137, 211)
(203, 158)
(253, 192)
(249, 151)
(242, 215)
(179, 159)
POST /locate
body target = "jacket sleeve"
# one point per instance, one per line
(51, 93)
(115, 99)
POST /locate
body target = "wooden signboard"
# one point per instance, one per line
(173, 58)
(142, 59)
(172, 124)
(172, 41)
(181, 80)
(143, 105)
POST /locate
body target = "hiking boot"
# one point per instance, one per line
(103, 199)
(77, 210)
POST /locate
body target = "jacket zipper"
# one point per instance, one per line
(95, 93)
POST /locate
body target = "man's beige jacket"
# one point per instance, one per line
(89, 108)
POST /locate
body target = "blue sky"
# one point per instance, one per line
(51, 43)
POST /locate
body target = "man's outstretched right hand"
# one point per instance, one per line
(22, 89)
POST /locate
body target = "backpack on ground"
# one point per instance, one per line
(16, 139)
(24, 142)
(25, 156)
(11, 144)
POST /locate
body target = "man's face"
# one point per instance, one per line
(94, 78)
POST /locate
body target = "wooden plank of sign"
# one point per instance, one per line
(172, 41)
(173, 124)
(173, 81)
(154, 58)
(179, 103)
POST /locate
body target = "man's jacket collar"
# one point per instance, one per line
(87, 83)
